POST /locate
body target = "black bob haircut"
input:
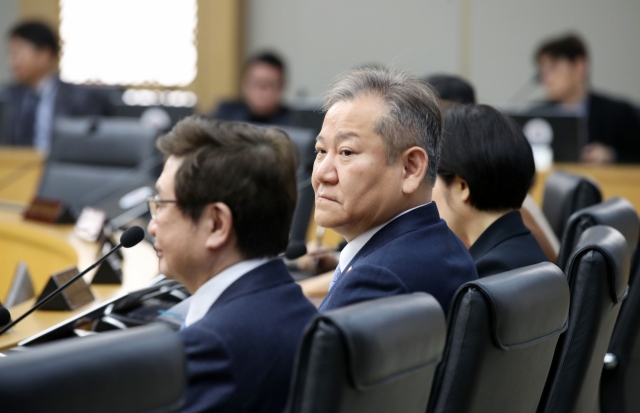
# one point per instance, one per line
(268, 58)
(489, 151)
(37, 33)
(569, 47)
(452, 88)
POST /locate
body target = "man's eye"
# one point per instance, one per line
(320, 152)
(346, 152)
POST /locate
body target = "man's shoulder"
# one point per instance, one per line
(516, 252)
(422, 240)
(599, 101)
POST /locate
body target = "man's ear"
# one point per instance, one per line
(218, 221)
(415, 162)
(463, 190)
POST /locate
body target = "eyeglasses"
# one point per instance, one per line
(153, 201)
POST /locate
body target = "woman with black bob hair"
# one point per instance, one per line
(485, 172)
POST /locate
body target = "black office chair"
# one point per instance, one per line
(616, 212)
(141, 370)
(502, 333)
(305, 141)
(376, 356)
(621, 374)
(95, 161)
(598, 271)
(564, 194)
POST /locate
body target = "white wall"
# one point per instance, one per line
(320, 39)
(8, 17)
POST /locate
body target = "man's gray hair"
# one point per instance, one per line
(413, 116)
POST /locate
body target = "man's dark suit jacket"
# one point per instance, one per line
(414, 252)
(614, 123)
(71, 101)
(506, 245)
(240, 355)
(239, 111)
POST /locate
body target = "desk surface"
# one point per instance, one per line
(139, 267)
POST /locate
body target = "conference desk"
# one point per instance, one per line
(56, 250)
(47, 249)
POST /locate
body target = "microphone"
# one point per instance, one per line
(294, 251)
(129, 238)
(5, 316)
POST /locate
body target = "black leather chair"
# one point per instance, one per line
(305, 141)
(598, 272)
(502, 333)
(375, 356)
(621, 374)
(616, 212)
(133, 371)
(564, 194)
(95, 161)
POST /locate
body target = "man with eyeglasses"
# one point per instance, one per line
(225, 202)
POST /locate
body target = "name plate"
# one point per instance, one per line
(75, 295)
(48, 211)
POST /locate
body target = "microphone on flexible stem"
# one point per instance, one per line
(295, 250)
(129, 238)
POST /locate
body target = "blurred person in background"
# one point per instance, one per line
(263, 85)
(37, 95)
(486, 169)
(613, 127)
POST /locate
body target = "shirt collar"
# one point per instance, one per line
(46, 85)
(356, 244)
(210, 291)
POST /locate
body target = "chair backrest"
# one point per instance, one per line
(564, 194)
(598, 271)
(618, 213)
(133, 371)
(375, 356)
(305, 141)
(95, 161)
(502, 333)
(621, 374)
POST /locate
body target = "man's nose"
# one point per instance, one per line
(151, 228)
(325, 171)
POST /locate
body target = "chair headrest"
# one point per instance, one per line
(612, 245)
(385, 338)
(617, 213)
(527, 304)
(565, 193)
(122, 142)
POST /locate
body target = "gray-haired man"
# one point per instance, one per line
(377, 159)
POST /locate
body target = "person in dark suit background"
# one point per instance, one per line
(377, 159)
(224, 206)
(37, 96)
(485, 172)
(263, 83)
(613, 126)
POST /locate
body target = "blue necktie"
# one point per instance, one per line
(337, 273)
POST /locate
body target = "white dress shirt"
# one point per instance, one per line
(210, 291)
(47, 90)
(356, 244)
